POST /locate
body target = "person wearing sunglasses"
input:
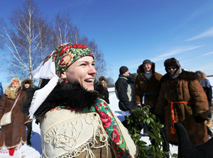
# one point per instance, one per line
(182, 99)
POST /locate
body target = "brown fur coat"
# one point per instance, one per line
(183, 88)
(149, 88)
(13, 134)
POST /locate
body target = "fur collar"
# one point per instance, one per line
(71, 95)
(12, 94)
(184, 75)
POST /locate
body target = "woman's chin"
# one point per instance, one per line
(89, 87)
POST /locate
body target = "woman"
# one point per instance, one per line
(182, 99)
(74, 122)
(205, 83)
(101, 87)
(27, 85)
(13, 135)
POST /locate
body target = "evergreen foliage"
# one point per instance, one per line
(144, 115)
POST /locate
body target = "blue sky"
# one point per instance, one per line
(130, 31)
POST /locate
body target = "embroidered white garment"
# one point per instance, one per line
(71, 134)
(43, 71)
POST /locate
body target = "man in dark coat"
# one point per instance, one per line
(125, 91)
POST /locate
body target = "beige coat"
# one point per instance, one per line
(75, 134)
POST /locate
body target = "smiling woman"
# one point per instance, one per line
(74, 121)
(83, 71)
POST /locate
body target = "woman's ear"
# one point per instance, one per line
(63, 75)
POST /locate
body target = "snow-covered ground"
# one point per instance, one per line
(35, 150)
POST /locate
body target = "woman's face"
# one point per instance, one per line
(103, 82)
(83, 71)
(26, 85)
(15, 85)
(147, 67)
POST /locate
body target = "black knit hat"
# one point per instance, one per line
(147, 61)
(123, 69)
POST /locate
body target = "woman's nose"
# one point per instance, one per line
(92, 70)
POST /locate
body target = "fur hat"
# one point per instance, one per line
(147, 61)
(123, 69)
(29, 81)
(171, 62)
(102, 78)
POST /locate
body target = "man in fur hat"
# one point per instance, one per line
(182, 99)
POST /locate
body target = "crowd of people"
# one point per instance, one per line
(73, 112)
(178, 96)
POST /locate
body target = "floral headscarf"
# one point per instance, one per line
(68, 53)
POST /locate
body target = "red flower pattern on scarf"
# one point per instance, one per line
(106, 119)
(115, 135)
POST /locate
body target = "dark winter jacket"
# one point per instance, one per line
(147, 88)
(124, 90)
(14, 133)
(183, 100)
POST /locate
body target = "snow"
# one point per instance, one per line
(35, 150)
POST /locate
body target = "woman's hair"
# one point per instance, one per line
(200, 75)
(102, 78)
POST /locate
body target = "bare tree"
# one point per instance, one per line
(24, 40)
(29, 38)
(100, 63)
(64, 31)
